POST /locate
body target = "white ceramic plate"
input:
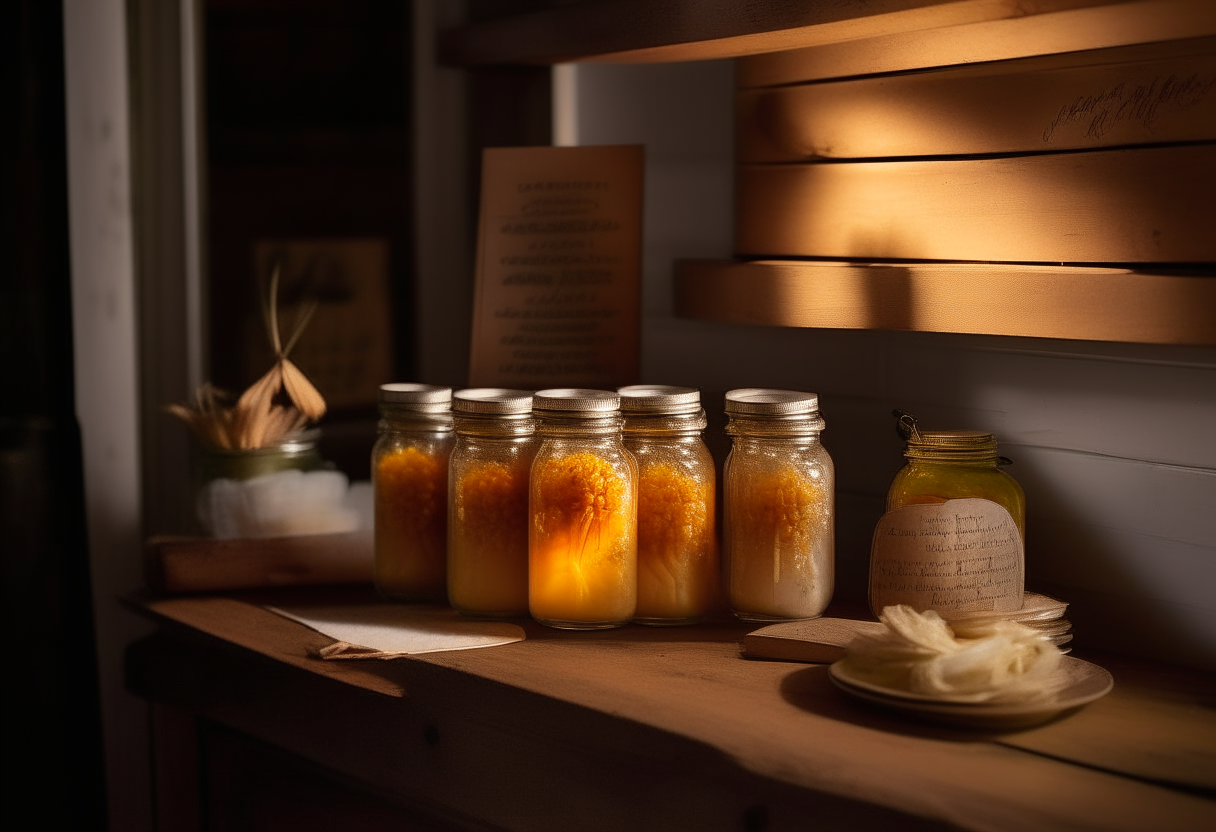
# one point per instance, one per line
(1084, 683)
(1035, 607)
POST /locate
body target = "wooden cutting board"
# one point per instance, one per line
(815, 640)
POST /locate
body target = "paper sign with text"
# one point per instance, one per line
(559, 247)
(954, 557)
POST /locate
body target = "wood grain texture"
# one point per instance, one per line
(694, 735)
(1136, 95)
(1048, 33)
(1038, 301)
(242, 621)
(649, 31)
(822, 640)
(1146, 205)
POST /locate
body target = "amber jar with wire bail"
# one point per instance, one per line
(779, 506)
(956, 521)
(488, 502)
(678, 569)
(953, 464)
(582, 502)
(410, 486)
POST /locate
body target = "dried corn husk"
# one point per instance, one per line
(259, 418)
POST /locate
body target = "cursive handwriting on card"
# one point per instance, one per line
(955, 556)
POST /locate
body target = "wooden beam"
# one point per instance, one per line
(648, 31)
(1092, 304)
(1157, 93)
(1047, 32)
(1145, 205)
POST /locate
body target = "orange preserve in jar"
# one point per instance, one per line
(410, 484)
(488, 502)
(678, 572)
(779, 503)
(582, 502)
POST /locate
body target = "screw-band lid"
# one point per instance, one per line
(943, 444)
(574, 401)
(492, 401)
(763, 401)
(659, 399)
(951, 444)
(424, 398)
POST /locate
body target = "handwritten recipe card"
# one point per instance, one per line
(954, 557)
(559, 249)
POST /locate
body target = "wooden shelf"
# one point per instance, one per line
(1009, 162)
(669, 728)
(1073, 302)
(891, 34)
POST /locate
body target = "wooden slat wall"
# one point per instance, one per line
(1114, 443)
(1149, 94)
(1141, 205)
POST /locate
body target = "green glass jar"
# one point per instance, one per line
(296, 452)
(953, 535)
(953, 464)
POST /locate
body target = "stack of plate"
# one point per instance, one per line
(1041, 612)
(1079, 683)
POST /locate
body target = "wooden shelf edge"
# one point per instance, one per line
(1046, 31)
(688, 30)
(1069, 302)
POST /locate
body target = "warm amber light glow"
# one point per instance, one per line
(582, 542)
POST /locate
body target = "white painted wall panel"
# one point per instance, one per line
(1167, 502)
(106, 383)
(1136, 409)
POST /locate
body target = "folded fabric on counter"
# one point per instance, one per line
(389, 631)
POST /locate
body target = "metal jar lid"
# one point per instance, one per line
(492, 401)
(659, 399)
(943, 444)
(790, 412)
(762, 401)
(423, 398)
(576, 401)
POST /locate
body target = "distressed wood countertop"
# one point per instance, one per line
(641, 728)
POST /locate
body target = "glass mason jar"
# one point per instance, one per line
(582, 500)
(779, 528)
(955, 522)
(226, 511)
(297, 451)
(488, 502)
(410, 483)
(678, 573)
(953, 464)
